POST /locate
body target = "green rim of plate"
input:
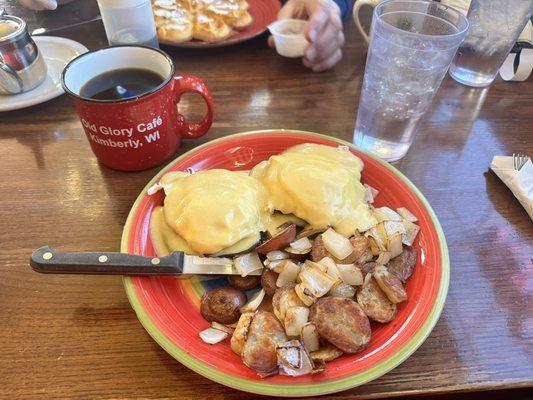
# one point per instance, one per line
(265, 388)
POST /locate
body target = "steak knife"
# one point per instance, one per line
(47, 261)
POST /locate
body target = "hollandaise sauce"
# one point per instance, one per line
(319, 184)
(210, 212)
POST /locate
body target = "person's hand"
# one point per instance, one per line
(324, 31)
(39, 4)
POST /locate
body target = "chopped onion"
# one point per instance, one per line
(374, 248)
(213, 336)
(395, 247)
(393, 227)
(411, 231)
(386, 214)
(310, 337)
(254, 302)
(276, 266)
(336, 244)
(293, 359)
(331, 267)
(302, 244)
(406, 214)
(288, 274)
(317, 281)
(350, 274)
(295, 319)
(378, 238)
(247, 263)
(276, 255)
(304, 294)
(313, 264)
(221, 327)
(383, 258)
(369, 193)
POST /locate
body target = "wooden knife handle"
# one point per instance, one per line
(47, 261)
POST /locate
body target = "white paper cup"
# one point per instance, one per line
(289, 37)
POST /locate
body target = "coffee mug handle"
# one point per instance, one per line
(358, 4)
(192, 84)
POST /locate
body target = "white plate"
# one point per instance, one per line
(57, 52)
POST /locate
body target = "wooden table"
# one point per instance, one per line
(77, 336)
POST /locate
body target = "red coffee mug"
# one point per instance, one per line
(140, 132)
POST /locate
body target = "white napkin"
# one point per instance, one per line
(520, 182)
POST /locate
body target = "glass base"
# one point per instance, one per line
(388, 151)
(470, 78)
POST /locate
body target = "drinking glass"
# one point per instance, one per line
(411, 46)
(494, 28)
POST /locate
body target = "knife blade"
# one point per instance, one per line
(47, 261)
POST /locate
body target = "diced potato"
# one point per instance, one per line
(288, 274)
(390, 284)
(336, 244)
(350, 274)
(310, 337)
(293, 359)
(342, 290)
(327, 352)
(295, 319)
(240, 335)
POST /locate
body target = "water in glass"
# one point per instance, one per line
(494, 28)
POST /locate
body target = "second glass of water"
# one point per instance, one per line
(411, 46)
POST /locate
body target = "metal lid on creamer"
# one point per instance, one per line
(11, 28)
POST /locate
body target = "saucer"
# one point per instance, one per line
(57, 52)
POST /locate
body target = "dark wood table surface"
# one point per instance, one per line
(77, 336)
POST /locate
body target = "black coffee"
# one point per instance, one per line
(121, 84)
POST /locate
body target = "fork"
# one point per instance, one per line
(519, 160)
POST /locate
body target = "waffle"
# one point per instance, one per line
(206, 20)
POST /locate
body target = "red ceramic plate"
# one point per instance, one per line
(263, 12)
(168, 307)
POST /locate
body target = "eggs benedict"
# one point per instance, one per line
(319, 184)
(210, 212)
